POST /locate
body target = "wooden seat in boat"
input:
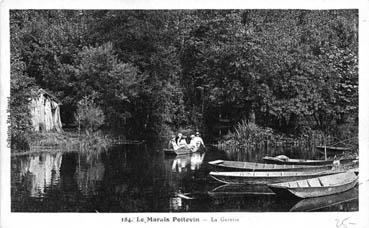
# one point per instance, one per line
(314, 182)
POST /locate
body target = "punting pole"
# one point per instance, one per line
(325, 148)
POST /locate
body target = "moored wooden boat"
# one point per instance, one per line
(316, 187)
(332, 150)
(266, 177)
(254, 166)
(240, 190)
(318, 203)
(291, 161)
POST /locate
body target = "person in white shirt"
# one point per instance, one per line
(198, 140)
(192, 144)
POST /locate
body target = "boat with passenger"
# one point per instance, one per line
(179, 146)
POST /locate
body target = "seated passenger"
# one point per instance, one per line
(198, 140)
(183, 143)
(178, 138)
(172, 143)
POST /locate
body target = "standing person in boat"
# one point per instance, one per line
(192, 144)
(198, 140)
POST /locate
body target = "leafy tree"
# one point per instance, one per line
(21, 88)
(151, 46)
(116, 85)
(89, 116)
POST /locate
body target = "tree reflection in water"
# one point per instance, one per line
(89, 173)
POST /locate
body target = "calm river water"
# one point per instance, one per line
(137, 178)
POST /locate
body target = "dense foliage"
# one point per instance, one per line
(21, 93)
(89, 116)
(248, 134)
(290, 70)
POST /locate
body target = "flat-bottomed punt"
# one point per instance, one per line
(180, 151)
(332, 150)
(316, 187)
(254, 166)
(240, 190)
(266, 177)
(291, 161)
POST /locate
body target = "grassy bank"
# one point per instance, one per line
(249, 138)
(65, 141)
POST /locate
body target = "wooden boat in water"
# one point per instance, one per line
(177, 152)
(290, 161)
(318, 203)
(240, 190)
(254, 166)
(181, 151)
(316, 187)
(332, 150)
(266, 177)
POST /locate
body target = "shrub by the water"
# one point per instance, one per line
(249, 138)
(246, 135)
(89, 116)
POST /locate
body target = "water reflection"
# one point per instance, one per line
(177, 204)
(43, 171)
(40, 171)
(133, 179)
(185, 162)
(181, 173)
(89, 173)
(347, 201)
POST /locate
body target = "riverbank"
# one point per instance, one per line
(65, 141)
(249, 138)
